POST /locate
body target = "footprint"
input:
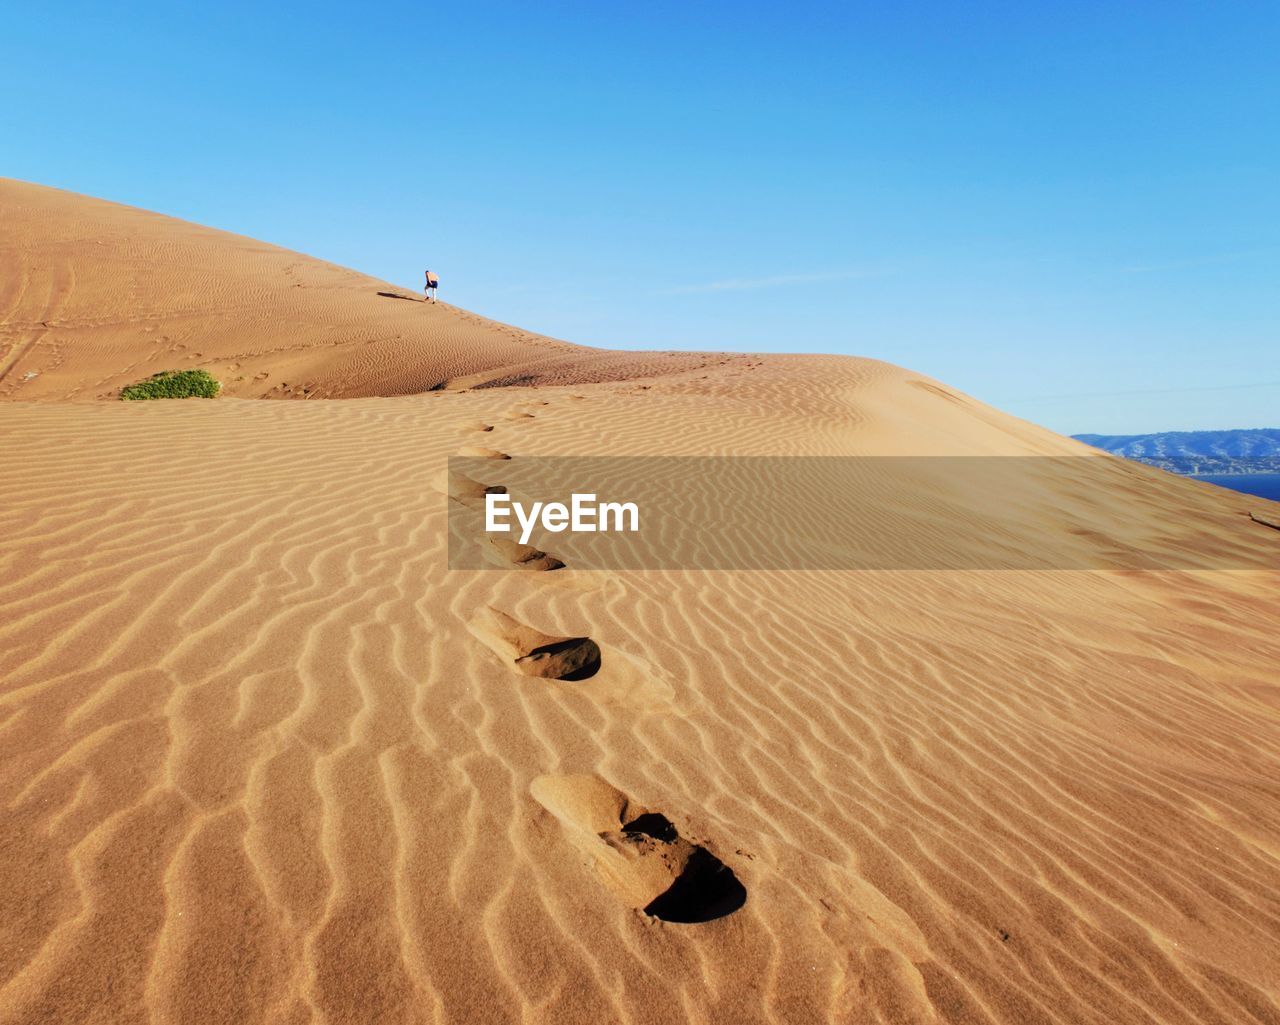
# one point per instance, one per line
(505, 552)
(533, 653)
(499, 551)
(639, 853)
(471, 492)
(516, 414)
(476, 452)
(478, 425)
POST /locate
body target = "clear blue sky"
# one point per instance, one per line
(1069, 210)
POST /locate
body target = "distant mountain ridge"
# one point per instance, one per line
(1245, 451)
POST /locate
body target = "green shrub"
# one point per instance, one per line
(174, 384)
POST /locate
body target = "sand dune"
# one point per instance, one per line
(265, 758)
(96, 295)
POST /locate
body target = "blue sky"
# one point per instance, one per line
(1071, 211)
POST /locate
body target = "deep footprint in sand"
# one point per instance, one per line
(471, 492)
(503, 552)
(533, 653)
(476, 452)
(498, 551)
(516, 414)
(640, 853)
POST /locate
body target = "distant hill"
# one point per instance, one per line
(1249, 451)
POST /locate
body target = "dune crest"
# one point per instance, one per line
(97, 295)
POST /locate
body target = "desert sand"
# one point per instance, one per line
(265, 758)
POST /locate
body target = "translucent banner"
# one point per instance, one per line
(919, 513)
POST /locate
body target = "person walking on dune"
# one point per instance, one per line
(432, 283)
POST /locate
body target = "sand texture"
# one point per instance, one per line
(96, 295)
(265, 758)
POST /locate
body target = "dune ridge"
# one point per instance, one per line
(265, 758)
(97, 295)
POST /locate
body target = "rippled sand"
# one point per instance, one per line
(265, 758)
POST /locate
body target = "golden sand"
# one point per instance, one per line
(265, 758)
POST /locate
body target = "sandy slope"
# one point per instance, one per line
(96, 295)
(263, 757)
